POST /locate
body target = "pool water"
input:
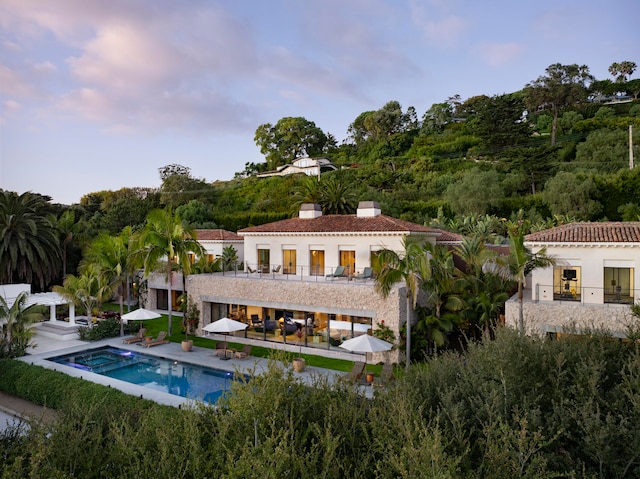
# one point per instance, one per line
(160, 374)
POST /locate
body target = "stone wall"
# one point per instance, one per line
(339, 297)
(569, 316)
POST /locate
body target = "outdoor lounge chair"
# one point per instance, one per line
(155, 342)
(137, 338)
(355, 373)
(386, 375)
(220, 349)
(338, 273)
(250, 270)
(245, 353)
(367, 273)
(276, 269)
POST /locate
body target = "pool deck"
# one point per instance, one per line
(48, 348)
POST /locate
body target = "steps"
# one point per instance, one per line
(58, 330)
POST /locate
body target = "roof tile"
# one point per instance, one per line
(217, 235)
(605, 232)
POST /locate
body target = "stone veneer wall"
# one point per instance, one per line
(339, 297)
(569, 316)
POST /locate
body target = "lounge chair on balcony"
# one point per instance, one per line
(250, 270)
(338, 273)
(355, 373)
(367, 273)
(161, 339)
(137, 338)
(276, 269)
(245, 353)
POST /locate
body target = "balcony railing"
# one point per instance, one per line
(296, 273)
(584, 294)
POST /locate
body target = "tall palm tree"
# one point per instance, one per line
(88, 290)
(411, 266)
(520, 262)
(14, 334)
(29, 245)
(69, 230)
(166, 242)
(336, 197)
(112, 257)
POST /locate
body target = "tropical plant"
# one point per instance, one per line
(113, 259)
(69, 230)
(165, 243)
(29, 245)
(411, 266)
(191, 318)
(520, 262)
(14, 334)
(229, 258)
(88, 290)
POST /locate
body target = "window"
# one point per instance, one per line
(317, 262)
(289, 260)
(618, 285)
(348, 260)
(567, 283)
(263, 260)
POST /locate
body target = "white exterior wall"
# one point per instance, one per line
(215, 247)
(331, 244)
(592, 259)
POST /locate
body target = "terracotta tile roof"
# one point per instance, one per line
(339, 224)
(606, 232)
(449, 237)
(217, 235)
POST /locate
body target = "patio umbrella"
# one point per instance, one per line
(140, 314)
(225, 326)
(366, 344)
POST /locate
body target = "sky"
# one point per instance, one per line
(98, 95)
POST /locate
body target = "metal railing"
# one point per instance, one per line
(297, 273)
(586, 294)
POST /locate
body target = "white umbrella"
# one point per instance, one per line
(366, 344)
(140, 314)
(225, 326)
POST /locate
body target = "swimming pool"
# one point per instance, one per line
(160, 374)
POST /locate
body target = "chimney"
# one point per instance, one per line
(368, 209)
(310, 211)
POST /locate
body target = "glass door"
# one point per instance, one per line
(289, 261)
(317, 262)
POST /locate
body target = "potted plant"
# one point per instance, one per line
(299, 363)
(190, 321)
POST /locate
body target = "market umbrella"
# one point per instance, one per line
(140, 314)
(366, 344)
(225, 326)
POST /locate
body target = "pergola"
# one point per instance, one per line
(11, 292)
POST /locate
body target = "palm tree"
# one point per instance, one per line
(13, 333)
(69, 230)
(111, 255)
(29, 245)
(88, 290)
(520, 262)
(336, 197)
(164, 243)
(410, 266)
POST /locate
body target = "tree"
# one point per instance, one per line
(112, 257)
(562, 86)
(381, 124)
(475, 193)
(14, 319)
(88, 290)
(229, 258)
(499, 121)
(520, 262)
(68, 229)
(336, 197)
(411, 266)
(166, 242)
(604, 151)
(621, 71)
(180, 188)
(288, 139)
(436, 118)
(571, 195)
(29, 245)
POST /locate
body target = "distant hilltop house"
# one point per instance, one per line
(306, 165)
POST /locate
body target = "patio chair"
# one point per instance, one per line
(157, 341)
(355, 373)
(255, 321)
(367, 273)
(250, 270)
(245, 353)
(276, 269)
(386, 375)
(137, 338)
(220, 349)
(338, 273)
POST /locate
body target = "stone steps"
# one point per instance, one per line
(62, 332)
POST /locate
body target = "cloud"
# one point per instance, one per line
(498, 54)
(437, 25)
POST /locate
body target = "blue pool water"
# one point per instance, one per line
(161, 374)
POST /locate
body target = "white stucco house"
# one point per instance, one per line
(311, 274)
(305, 165)
(594, 281)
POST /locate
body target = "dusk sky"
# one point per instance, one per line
(98, 94)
